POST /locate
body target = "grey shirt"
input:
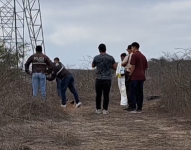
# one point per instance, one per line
(104, 64)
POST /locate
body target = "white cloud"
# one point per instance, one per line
(162, 25)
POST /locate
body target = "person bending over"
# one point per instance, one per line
(58, 81)
(67, 81)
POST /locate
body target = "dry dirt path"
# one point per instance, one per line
(119, 130)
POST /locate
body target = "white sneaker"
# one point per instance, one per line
(64, 106)
(78, 105)
(105, 112)
(98, 111)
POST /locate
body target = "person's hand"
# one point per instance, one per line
(29, 72)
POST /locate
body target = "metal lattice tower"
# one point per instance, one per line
(34, 22)
(13, 15)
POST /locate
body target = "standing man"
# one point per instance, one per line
(127, 65)
(67, 81)
(137, 77)
(120, 72)
(104, 64)
(39, 64)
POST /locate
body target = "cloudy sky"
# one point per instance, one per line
(75, 28)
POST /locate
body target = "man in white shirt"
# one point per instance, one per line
(120, 72)
(127, 65)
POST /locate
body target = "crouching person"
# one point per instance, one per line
(66, 81)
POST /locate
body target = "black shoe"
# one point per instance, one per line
(139, 111)
(128, 108)
(131, 109)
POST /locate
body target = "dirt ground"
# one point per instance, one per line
(82, 129)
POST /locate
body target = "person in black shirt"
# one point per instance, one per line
(104, 64)
(58, 81)
(67, 81)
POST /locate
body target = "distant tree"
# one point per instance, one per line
(10, 57)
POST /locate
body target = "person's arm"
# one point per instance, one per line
(146, 64)
(125, 61)
(94, 63)
(133, 64)
(27, 64)
(114, 64)
(53, 74)
(49, 62)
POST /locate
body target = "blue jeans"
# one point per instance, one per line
(39, 80)
(68, 82)
(58, 87)
(136, 90)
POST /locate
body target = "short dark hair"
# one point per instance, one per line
(135, 44)
(102, 48)
(57, 59)
(123, 54)
(129, 47)
(39, 48)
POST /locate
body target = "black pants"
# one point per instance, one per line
(137, 94)
(127, 85)
(102, 87)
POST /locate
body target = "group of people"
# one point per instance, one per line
(130, 72)
(131, 76)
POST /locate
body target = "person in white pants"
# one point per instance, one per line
(120, 72)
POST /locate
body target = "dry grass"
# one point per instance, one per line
(31, 124)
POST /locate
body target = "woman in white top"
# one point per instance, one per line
(120, 72)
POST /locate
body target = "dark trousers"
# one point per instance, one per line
(127, 85)
(58, 87)
(136, 88)
(68, 82)
(102, 87)
(128, 92)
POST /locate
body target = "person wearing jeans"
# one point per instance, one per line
(58, 81)
(137, 78)
(66, 81)
(39, 62)
(39, 80)
(104, 64)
